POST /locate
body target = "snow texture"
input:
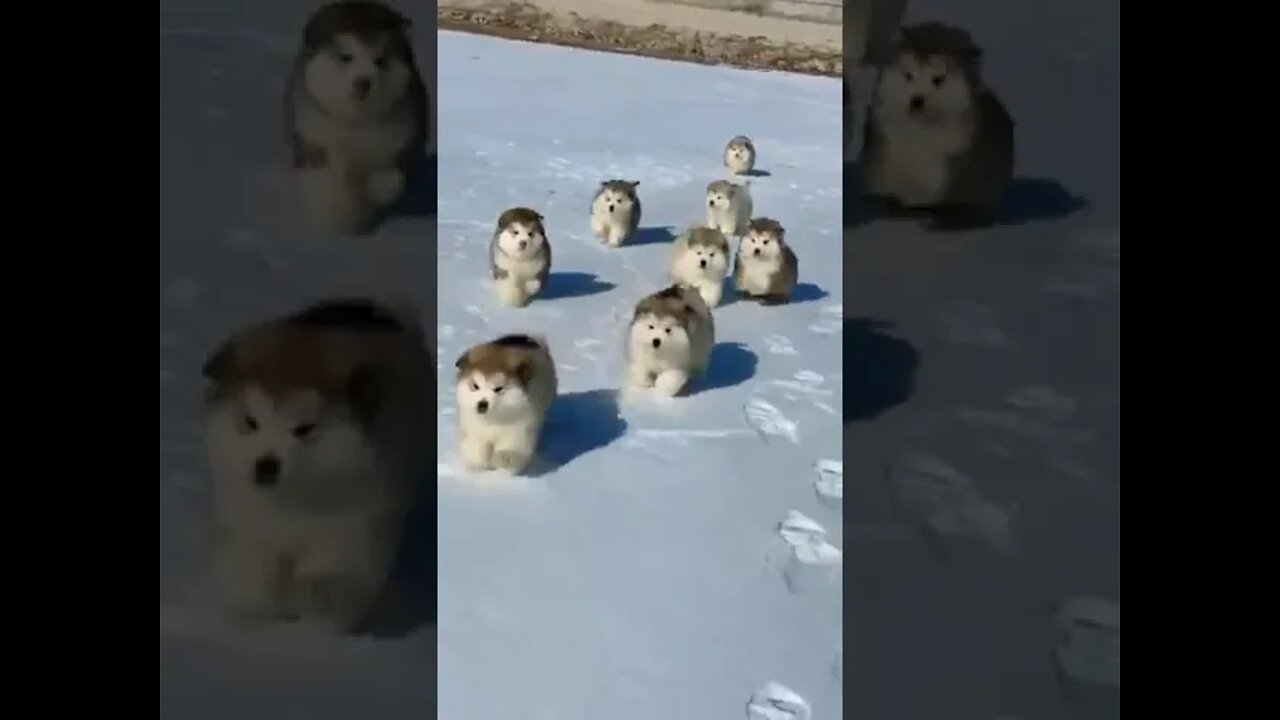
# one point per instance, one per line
(983, 412)
(634, 575)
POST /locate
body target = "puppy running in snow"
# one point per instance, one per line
(939, 142)
(519, 256)
(766, 269)
(728, 207)
(700, 260)
(356, 113)
(669, 341)
(316, 434)
(615, 212)
(505, 388)
(740, 155)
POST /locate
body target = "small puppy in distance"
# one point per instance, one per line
(700, 260)
(740, 155)
(504, 390)
(316, 436)
(615, 212)
(669, 341)
(728, 207)
(766, 268)
(519, 256)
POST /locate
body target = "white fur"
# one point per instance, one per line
(684, 351)
(318, 544)
(612, 226)
(686, 268)
(523, 264)
(505, 436)
(729, 212)
(739, 158)
(758, 270)
(361, 138)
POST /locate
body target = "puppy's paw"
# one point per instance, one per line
(531, 287)
(475, 456)
(511, 461)
(670, 383)
(510, 293)
(385, 186)
(328, 603)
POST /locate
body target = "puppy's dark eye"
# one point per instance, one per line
(304, 430)
(498, 389)
(475, 386)
(250, 423)
(668, 331)
(650, 327)
(345, 58)
(381, 63)
(938, 80)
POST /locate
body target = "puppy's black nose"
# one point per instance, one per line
(711, 203)
(756, 252)
(657, 342)
(362, 86)
(482, 407)
(702, 263)
(522, 244)
(610, 208)
(917, 103)
(266, 471)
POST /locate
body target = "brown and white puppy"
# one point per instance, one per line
(939, 142)
(316, 434)
(669, 341)
(700, 260)
(356, 112)
(519, 256)
(615, 212)
(728, 207)
(740, 155)
(505, 388)
(766, 268)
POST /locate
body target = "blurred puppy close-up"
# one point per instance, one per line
(317, 432)
(356, 113)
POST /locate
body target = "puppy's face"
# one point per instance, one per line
(660, 337)
(285, 439)
(931, 89)
(495, 396)
(615, 201)
(701, 260)
(521, 240)
(720, 197)
(761, 246)
(356, 76)
(738, 152)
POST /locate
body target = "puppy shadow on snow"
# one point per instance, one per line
(562, 285)
(409, 602)
(578, 423)
(879, 369)
(731, 364)
(757, 173)
(653, 236)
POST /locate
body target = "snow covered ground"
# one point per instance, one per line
(983, 387)
(643, 574)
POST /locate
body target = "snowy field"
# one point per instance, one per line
(642, 574)
(983, 386)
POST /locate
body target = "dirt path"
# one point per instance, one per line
(686, 33)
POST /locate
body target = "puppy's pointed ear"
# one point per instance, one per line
(635, 184)
(462, 360)
(524, 373)
(221, 362)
